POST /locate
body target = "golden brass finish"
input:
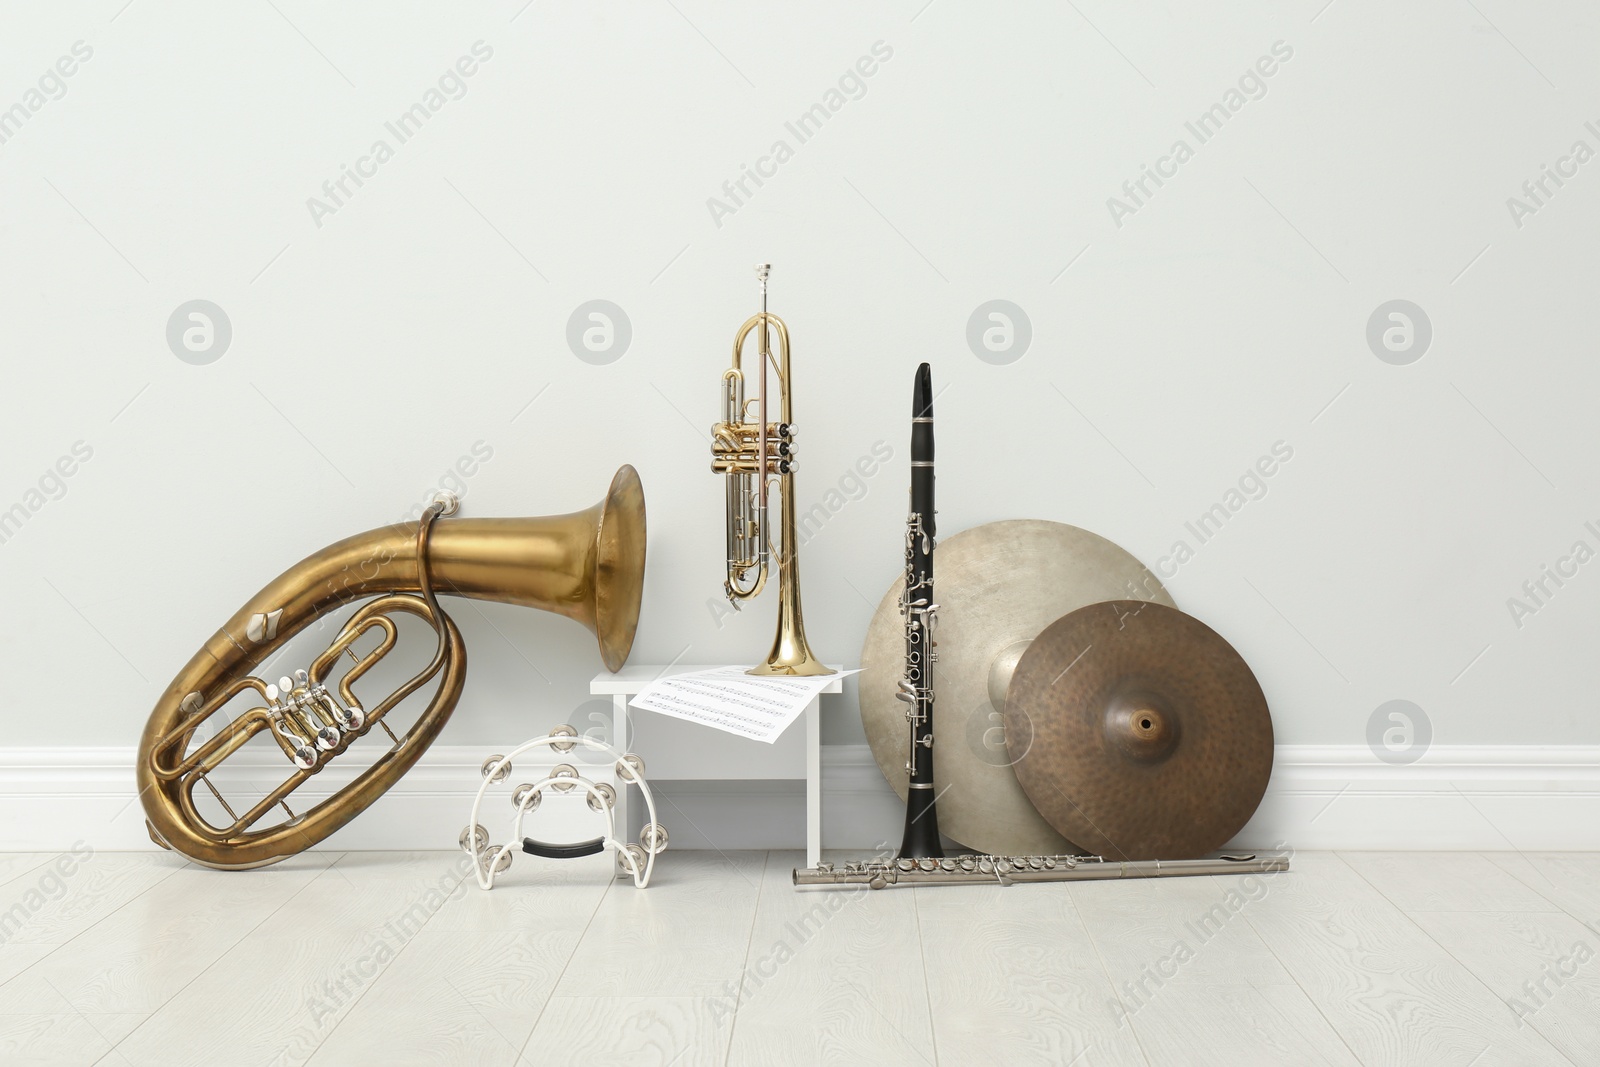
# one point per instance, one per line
(752, 453)
(588, 566)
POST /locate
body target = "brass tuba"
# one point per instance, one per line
(588, 566)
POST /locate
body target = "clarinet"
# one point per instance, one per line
(921, 839)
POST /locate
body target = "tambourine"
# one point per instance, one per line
(636, 860)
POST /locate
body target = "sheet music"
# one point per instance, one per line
(728, 699)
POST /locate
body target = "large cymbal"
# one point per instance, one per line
(1150, 738)
(997, 586)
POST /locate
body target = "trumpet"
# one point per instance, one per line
(752, 453)
(588, 566)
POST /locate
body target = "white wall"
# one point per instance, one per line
(1227, 313)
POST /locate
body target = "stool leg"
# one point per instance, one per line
(619, 734)
(814, 782)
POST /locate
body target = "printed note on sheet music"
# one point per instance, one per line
(728, 699)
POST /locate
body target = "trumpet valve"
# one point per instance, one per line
(305, 757)
(328, 738)
(738, 461)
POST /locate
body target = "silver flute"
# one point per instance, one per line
(1005, 870)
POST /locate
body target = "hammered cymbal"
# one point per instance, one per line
(997, 586)
(1138, 732)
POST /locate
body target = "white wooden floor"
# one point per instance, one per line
(387, 958)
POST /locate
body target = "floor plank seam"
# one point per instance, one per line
(749, 947)
(927, 991)
(1446, 950)
(1332, 1029)
(1564, 909)
(1256, 933)
(224, 954)
(556, 985)
(105, 918)
(1289, 1023)
(77, 1012)
(378, 977)
(29, 870)
(1105, 971)
(725, 857)
(1389, 989)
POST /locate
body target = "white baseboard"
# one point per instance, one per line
(1478, 797)
(1321, 796)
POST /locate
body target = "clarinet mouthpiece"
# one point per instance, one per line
(922, 394)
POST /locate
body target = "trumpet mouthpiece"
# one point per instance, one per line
(762, 270)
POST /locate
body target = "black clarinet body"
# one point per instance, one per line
(920, 612)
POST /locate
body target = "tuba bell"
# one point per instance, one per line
(588, 566)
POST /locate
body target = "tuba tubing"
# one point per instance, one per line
(588, 566)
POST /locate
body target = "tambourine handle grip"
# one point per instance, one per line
(563, 852)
